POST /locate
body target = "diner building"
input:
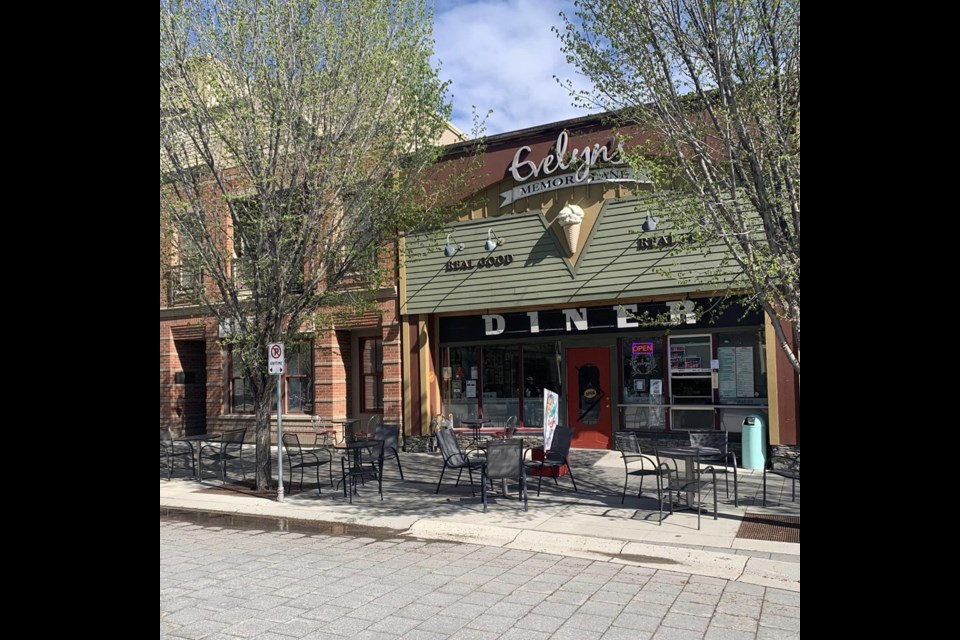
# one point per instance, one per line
(565, 276)
(562, 275)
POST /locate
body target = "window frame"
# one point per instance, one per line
(307, 401)
(231, 387)
(376, 374)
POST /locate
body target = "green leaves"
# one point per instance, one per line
(294, 138)
(711, 93)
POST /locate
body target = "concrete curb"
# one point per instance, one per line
(768, 573)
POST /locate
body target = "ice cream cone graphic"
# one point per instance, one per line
(570, 218)
(572, 231)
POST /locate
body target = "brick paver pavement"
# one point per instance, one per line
(233, 583)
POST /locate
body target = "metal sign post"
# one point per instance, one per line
(275, 361)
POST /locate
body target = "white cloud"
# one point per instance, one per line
(502, 55)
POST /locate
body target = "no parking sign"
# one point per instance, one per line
(275, 358)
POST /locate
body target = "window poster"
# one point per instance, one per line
(447, 373)
(728, 372)
(551, 402)
(656, 387)
(473, 372)
(745, 387)
(677, 357)
(471, 388)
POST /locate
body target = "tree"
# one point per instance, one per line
(294, 141)
(716, 84)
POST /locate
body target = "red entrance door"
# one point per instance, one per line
(588, 397)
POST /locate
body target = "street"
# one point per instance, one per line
(232, 582)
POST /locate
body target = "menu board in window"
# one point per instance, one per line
(744, 372)
(728, 372)
(736, 378)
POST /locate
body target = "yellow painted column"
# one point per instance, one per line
(773, 412)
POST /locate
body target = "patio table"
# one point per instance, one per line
(689, 455)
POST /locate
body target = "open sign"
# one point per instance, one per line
(641, 348)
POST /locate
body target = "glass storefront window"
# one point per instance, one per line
(742, 379)
(541, 370)
(501, 381)
(743, 368)
(691, 383)
(460, 379)
(643, 384)
(488, 379)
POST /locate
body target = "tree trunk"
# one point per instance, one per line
(263, 470)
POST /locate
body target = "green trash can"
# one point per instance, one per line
(754, 442)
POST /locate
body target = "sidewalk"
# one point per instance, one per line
(589, 524)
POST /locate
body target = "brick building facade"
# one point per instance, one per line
(198, 390)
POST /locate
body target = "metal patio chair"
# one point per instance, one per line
(353, 468)
(171, 451)
(454, 458)
(509, 428)
(629, 448)
(555, 458)
(389, 435)
(230, 447)
(694, 485)
(299, 458)
(504, 462)
(719, 440)
(789, 470)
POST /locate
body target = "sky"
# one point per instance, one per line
(502, 55)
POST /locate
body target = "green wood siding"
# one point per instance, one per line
(610, 267)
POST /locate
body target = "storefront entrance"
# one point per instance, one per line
(588, 397)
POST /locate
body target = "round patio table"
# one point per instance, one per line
(690, 455)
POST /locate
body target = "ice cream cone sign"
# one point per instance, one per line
(570, 218)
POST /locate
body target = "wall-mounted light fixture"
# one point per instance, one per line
(650, 223)
(450, 250)
(492, 243)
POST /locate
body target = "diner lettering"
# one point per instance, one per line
(577, 319)
(615, 318)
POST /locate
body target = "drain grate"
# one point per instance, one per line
(762, 526)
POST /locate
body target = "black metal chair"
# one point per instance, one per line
(375, 421)
(230, 447)
(171, 451)
(504, 462)
(789, 470)
(719, 440)
(629, 448)
(454, 458)
(324, 433)
(694, 485)
(555, 458)
(510, 427)
(354, 468)
(299, 458)
(389, 434)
